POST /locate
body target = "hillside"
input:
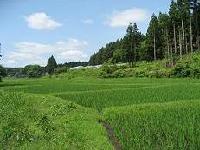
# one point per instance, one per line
(186, 67)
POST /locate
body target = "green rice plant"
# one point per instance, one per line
(134, 94)
(170, 126)
(146, 113)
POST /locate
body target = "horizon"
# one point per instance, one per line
(32, 30)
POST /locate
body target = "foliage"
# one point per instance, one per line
(107, 70)
(51, 65)
(2, 72)
(168, 36)
(188, 67)
(74, 64)
(155, 69)
(33, 71)
(15, 72)
(60, 70)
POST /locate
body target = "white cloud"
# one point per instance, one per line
(37, 53)
(87, 21)
(41, 21)
(124, 17)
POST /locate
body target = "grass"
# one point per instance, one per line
(144, 113)
(46, 122)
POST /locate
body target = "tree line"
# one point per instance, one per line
(35, 71)
(169, 35)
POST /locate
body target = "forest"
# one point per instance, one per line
(169, 36)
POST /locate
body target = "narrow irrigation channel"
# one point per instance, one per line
(115, 142)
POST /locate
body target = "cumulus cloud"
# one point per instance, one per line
(41, 21)
(37, 53)
(124, 17)
(87, 21)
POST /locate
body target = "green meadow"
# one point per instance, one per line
(62, 113)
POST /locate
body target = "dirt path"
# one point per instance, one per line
(111, 135)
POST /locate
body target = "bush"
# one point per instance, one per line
(61, 70)
(188, 67)
(141, 69)
(33, 71)
(107, 70)
(119, 73)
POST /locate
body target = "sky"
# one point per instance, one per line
(71, 30)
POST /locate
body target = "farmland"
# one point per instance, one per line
(143, 113)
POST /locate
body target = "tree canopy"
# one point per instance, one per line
(33, 71)
(169, 35)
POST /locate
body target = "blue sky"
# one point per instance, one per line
(72, 30)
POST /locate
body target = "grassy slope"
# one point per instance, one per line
(46, 122)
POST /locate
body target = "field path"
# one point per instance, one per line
(115, 142)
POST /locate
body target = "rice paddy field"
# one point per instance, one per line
(90, 113)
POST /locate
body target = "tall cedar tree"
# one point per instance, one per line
(174, 18)
(196, 20)
(154, 42)
(184, 10)
(132, 42)
(164, 24)
(51, 66)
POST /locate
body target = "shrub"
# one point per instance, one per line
(107, 70)
(119, 73)
(61, 70)
(33, 71)
(189, 66)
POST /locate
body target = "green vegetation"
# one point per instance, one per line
(80, 108)
(169, 35)
(51, 65)
(189, 66)
(46, 122)
(173, 125)
(33, 71)
(2, 73)
(67, 111)
(145, 113)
